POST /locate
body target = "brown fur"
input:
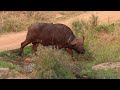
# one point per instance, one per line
(57, 35)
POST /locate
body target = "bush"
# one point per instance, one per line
(100, 47)
(53, 64)
(78, 27)
(105, 27)
(93, 21)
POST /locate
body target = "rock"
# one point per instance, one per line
(20, 76)
(17, 75)
(29, 67)
(85, 77)
(4, 72)
(28, 60)
(106, 66)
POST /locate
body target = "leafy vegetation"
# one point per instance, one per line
(102, 43)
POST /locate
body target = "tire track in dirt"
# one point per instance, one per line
(13, 40)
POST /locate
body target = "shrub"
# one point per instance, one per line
(53, 64)
(105, 27)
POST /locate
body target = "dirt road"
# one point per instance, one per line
(13, 40)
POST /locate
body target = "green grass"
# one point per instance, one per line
(105, 28)
(101, 44)
(4, 64)
(27, 50)
(49, 64)
(57, 64)
(14, 54)
(52, 64)
(8, 59)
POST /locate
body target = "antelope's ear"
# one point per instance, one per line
(74, 42)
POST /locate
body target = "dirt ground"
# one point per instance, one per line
(13, 40)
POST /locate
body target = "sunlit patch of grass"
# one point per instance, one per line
(105, 27)
(15, 21)
(53, 64)
(101, 45)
